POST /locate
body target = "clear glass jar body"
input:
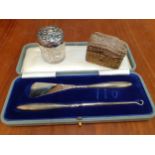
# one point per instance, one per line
(53, 54)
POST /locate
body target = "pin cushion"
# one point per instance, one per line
(106, 50)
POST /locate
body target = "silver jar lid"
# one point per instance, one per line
(50, 36)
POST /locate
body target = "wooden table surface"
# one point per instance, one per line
(140, 35)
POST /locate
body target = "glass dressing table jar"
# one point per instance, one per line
(51, 43)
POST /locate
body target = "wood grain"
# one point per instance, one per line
(140, 35)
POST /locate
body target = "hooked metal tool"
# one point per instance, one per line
(47, 106)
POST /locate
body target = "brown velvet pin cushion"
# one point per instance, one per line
(106, 50)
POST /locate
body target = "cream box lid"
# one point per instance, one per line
(31, 63)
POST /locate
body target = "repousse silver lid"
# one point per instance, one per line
(50, 36)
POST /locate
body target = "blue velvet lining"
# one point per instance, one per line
(21, 87)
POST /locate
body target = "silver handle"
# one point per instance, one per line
(120, 84)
